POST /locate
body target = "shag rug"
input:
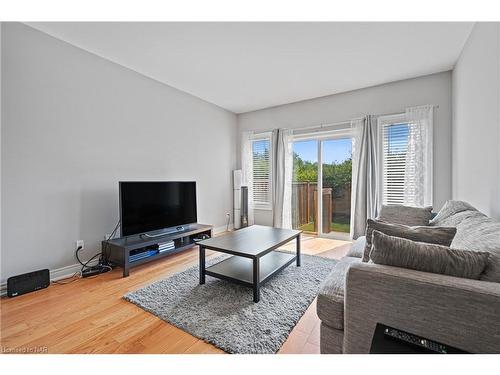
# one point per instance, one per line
(224, 314)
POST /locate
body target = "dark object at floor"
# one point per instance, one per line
(388, 340)
(28, 282)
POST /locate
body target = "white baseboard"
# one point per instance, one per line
(55, 274)
(223, 228)
(67, 271)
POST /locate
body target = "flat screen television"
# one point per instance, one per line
(151, 206)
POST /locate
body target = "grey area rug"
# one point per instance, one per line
(224, 314)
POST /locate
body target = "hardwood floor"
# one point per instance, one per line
(89, 315)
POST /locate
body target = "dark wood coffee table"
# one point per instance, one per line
(253, 262)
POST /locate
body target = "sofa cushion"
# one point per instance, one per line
(330, 303)
(429, 234)
(357, 248)
(448, 215)
(420, 256)
(405, 215)
(475, 232)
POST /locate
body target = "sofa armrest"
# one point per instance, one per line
(459, 312)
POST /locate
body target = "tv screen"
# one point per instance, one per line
(149, 206)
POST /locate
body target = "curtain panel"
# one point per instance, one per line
(282, 171)
(419, 168)
(365, 175)
(247, 171)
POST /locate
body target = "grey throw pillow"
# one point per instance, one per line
(449, 209)
(400, 252)
(435, 235)
(357, 248)
(406, 215)
(475, 232)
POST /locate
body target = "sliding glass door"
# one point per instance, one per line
(336, 175)
(305, 185)
(322, 164)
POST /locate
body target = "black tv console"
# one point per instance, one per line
(131, 251)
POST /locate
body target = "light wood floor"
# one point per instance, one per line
(89, 315)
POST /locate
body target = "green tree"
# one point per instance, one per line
(304, 171)
(336, 175)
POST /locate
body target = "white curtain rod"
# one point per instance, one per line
(403, 112)
(312, 127)
(327, 125)
(333, 124)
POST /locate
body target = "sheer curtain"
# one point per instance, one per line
(365, 177)
(282, 170)
(247, 171)
(419, 169)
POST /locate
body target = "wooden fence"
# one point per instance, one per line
(304, 204)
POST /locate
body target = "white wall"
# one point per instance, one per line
(74, 125)
(1, 121)
(476, 121)
(388, 98)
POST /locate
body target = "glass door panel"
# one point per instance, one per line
(305, 185)
(336, 164)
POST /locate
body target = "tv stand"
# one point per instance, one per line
(131, 251)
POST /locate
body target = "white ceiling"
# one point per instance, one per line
(247, 66)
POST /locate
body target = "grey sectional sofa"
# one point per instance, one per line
(459, 312)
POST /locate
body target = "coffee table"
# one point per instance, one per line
(253, 261)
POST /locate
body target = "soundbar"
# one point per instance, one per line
(178, 229)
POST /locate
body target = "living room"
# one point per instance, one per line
(160, 187)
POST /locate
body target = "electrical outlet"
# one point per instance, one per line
(80, 243)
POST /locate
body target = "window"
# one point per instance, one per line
(393, 134)
(261, 173)
(406, 163)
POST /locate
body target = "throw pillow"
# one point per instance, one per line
(449, 209)
(357, 248)
(406, 215)
(435, 235)
(400, 252)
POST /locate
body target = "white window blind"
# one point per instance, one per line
(406, 165)
(261, 172)
(394, 162)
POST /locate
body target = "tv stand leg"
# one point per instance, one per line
(125, 271)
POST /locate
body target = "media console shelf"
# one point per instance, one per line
(131, 251)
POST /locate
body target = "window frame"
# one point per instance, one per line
(382, 121)
(268, 206)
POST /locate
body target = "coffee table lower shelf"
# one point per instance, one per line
(240, 270)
